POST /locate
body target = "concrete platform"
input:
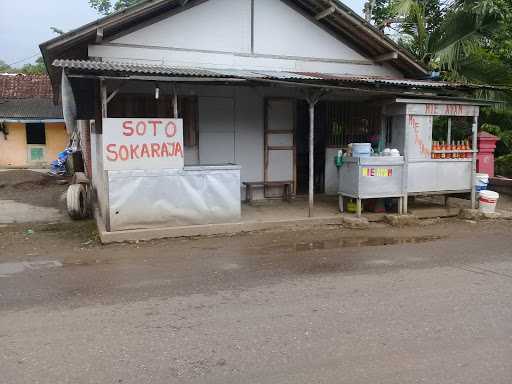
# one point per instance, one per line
(211, 229)
(273, 215)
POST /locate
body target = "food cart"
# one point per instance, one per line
(371, 178)
(425, 168)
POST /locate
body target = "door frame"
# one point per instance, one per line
(267, 148)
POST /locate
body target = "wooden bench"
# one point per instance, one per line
(286, 185)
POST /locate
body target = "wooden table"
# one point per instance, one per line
(286, 185)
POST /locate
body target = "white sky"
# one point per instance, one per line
(24, 24)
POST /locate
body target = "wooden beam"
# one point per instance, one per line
(311, 156)
(174, 103)
(112, 95)
(312, 98)
(104, 102)
(99, 34)
(474, 129)
(386, 57)
(326, 12)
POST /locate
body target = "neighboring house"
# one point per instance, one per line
(244, 76)
(32, 129)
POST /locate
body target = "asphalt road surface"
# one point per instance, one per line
(429, 304)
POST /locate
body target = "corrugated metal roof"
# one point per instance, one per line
(153, 69)
(410, 83)
(333, 79)
(34, 108)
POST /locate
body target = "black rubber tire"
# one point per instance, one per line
(76, 201)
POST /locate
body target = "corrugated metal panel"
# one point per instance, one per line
(103, 66)
(90, 65)
(395, 82)
(107, 66)
(31, 108)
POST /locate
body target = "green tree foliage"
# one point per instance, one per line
(38, 68)
(467, 40)
(4, 67)
(106, 7)
(454, 35)
(504, 166)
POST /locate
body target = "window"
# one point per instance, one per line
(36, 133)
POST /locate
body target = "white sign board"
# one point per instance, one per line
(153, 143)
(443, 109)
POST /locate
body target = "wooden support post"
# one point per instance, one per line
(312, 98)
(405, 173)
(473, 162)
(104, 99)
(174, 103)
(449, 134)
(104, 115)
(311, 155)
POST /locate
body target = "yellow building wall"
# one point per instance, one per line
(56, 140)
(14, 150)
(13, 147)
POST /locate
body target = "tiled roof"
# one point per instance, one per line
(34, 108)
(25, 86)
(27, 97)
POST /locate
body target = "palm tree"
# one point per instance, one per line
(458, 44)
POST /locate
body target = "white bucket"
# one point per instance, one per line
(488, 201)
(481, 181)
(361, 150)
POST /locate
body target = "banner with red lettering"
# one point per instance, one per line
(130, 144)
(443, 109)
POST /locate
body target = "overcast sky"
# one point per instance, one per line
(24, 24)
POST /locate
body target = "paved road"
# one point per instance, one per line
(418, 305)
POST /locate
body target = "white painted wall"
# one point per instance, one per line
(331, 172)
(217, 34)
(281, 30)
(249, 133)
(215, 25)
(216, 130)
(231, 129)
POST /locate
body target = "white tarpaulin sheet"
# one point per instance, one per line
(158, 198)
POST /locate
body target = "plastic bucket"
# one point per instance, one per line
(488, 201)
(361, 150)
(481, 181)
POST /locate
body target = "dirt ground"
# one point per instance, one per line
(388, 305)
(32, 196)
(424, 303)
(34, 188)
